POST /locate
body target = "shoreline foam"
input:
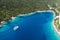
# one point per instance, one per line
(56, 30)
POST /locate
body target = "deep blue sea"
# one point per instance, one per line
(35, 26)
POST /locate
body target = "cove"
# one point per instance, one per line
(33, 26)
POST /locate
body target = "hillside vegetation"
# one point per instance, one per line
(10, 8)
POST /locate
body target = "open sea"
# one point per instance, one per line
(34, 26)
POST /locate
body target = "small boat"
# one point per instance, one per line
(15, 28)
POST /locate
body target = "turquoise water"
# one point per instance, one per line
(36, 26)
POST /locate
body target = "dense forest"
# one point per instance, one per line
(10, 8)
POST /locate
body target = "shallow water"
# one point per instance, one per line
(37, 26)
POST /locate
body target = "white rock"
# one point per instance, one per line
(13, 17)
